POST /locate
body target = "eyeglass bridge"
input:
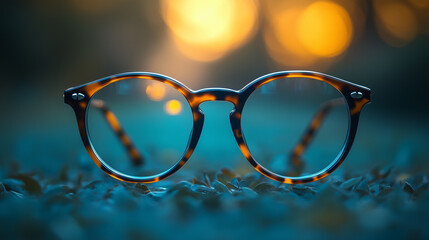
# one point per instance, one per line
(216, 94)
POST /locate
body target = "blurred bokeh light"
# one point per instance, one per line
(207, 30)
(325, 29)
(155, 91)
(173, 107)
(310, 33)
(396, 23)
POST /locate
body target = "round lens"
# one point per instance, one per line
(295, 126)
(139, 127)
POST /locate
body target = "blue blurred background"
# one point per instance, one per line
(48, 46)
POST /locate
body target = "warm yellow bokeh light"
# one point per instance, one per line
(308, 32)
(155, 91)
(281, 40)
(173, 107)
(207, 30)
(325, 29)
(397, 24)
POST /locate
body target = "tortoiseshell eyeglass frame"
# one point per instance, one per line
(356, 97)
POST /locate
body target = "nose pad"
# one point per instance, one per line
(217, 145)
(216, 113)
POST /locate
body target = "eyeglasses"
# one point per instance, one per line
(292, 126)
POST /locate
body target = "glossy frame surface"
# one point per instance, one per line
(356, 97)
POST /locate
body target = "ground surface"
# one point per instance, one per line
(382, 203)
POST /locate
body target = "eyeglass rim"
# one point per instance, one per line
(238, 98)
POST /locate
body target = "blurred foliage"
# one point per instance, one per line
(214, 205)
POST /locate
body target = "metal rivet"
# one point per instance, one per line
(356, 95)
(78, 96)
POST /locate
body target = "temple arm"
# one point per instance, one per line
(114, 124)
(295, 156)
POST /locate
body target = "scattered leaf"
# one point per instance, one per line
(30, 184)
(351, 183)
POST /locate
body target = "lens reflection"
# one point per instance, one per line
(126, 121)
(295, 126)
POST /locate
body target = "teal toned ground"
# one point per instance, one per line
(214, 205)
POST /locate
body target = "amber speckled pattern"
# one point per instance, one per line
(355, 96)
(297, 152)
(119, 131)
